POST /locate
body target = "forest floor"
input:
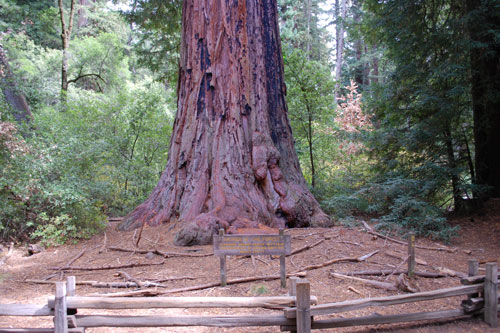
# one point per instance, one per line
(478, 238)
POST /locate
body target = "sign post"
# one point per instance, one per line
(252, 245)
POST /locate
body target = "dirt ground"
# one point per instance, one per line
(478, 238)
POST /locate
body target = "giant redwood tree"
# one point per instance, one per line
(231, 160)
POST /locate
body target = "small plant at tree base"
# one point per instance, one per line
(259, 289)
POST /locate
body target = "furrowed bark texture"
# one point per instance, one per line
(231, 161)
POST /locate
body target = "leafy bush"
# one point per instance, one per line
(404, 205)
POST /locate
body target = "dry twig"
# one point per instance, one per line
(105, 267)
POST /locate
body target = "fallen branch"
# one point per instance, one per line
(373, 283)
(443, 270)
(354, 290)
(78, 256)
(405, 243)
(306, 247)
(174, 278)
(158, 252)
(150, 292)
(129, 278)
(367, 227)
(398, 267)
(333, 261)
(106, 267)
(140, 234)
(398, 256)
(307, 235)
(347, 242)
(387, 272)
(101, 284)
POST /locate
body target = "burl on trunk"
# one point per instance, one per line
(231, 162)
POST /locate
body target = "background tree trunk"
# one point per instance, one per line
(485, 83)
(231, 161)
(83, 19)
(13, 96)
(340, 47)
(65, 38)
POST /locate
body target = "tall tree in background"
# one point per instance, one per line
(484, 30)
(425, 101)
(231, 160)
(340, 43)
(158, 42)
(66, 29)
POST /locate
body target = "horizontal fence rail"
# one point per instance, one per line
(87, 302)
(173, 321)
(345, 306)
(26, 310)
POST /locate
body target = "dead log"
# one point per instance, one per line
(105, 267)
(373, 283)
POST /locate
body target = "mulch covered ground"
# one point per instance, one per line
(478, 238)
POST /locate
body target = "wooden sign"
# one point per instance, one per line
(251, 245)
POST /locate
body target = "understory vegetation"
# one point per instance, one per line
(385, 131)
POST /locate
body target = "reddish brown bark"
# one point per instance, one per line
(231, 161)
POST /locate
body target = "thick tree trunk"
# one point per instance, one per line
(13, 96)
(485, 68)
(231, 161)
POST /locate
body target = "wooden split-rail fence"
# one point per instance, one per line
(299, 308)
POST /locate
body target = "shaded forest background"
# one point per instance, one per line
(383, 99)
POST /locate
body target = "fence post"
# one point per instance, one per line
(71, 285)
(282, 262)
(60, 308)
(303, 306)
(411, 255)
(491, 295)
(292, 287)
(223, 277)
(473, 271)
